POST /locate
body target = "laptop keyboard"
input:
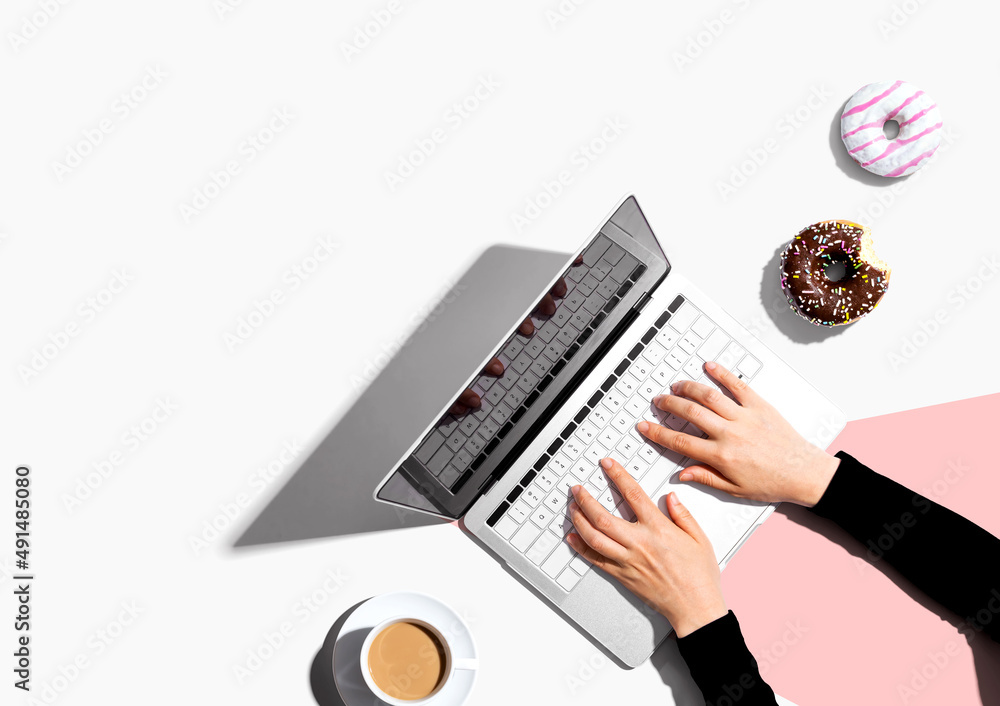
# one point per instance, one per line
(533, 516)
(458, 445)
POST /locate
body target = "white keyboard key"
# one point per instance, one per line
(562, 525)
(689, 343)
(656, 477)
(546, 480)
(532, 495)
(636, 405)
(613, 400)
(684, 317)
(512, 349)
(559, 463)
(637, 467)
(557, 500)
(599, 480)
(667, 337)
(579, 564)
(674, 422)
(545, 543)
(527, 382)
(713, 345)
(593, 490)
(567, 335)
(599, 417)
(581, 469)
(607, 499)
(676, 358)
(594, 454)
(609, 438)
(703, 326)
(640, 368)
(627, 385)
(662, 374)
(541, 366)
(449, 476)
(524, 536)
(572, 448)
(736, 350)
(587, 432)
(505, 527)
(648, 389)
(554, 351)
(749, 366)
(693, 368)
(626, 447)
(534, 347)
(559, 559)
(654, 353)
(568, 579)
(622, 422)
(648, 453)
(542, 516)
(519, 511)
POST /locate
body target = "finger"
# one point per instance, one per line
(691, 411)
(684, 444)
(559, 288)
(710, 477)
(734, 383)
(546, 307)
(707, 396)
(527, 327)
(494, 367)
(590, 554)
(633, 493)
(466, 401)
(615, 527)
(593, 536)
(684, 519)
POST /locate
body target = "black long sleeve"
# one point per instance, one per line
(952, 560)
(722, 666)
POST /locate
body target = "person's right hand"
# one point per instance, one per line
(750, 452)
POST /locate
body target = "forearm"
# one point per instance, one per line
(952, 560)
(722, 666)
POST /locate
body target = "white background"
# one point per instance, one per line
(686, 126)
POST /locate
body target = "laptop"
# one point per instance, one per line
(614, 327)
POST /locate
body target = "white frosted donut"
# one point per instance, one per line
(919, 128)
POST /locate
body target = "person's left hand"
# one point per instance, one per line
(668, 562)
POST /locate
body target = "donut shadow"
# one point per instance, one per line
(847, 165)
(785, 320)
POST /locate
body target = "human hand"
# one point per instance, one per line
(668, 562)
(751, 451)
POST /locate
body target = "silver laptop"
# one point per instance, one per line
(626, 324)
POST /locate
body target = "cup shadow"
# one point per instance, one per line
(847, 165)
(321, 676)
(790, 324)
(985, 652)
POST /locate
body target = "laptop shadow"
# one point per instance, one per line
(330, 494)
(985, 652)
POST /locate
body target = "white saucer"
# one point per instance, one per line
(410, 604)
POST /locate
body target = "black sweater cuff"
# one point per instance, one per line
(721, 664)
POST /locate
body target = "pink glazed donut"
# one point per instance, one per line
(919, 128)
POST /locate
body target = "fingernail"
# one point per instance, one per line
(687, 476)
(710, 365)
(606, 462)
(576, 489)
(496, 367)
(642, 426)
(673, 498)
(675, 387)
(656, 400)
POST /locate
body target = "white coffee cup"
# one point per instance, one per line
(451, 664)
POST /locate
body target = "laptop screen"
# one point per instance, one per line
(453, 460)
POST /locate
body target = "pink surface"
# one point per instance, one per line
(826, 626)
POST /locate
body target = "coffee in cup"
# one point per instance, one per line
(407, 660)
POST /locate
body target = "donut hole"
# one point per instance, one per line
(891, 129)
(836, 271)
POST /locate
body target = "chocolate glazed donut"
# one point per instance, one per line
(812, 294)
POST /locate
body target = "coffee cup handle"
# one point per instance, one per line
(468, 663)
